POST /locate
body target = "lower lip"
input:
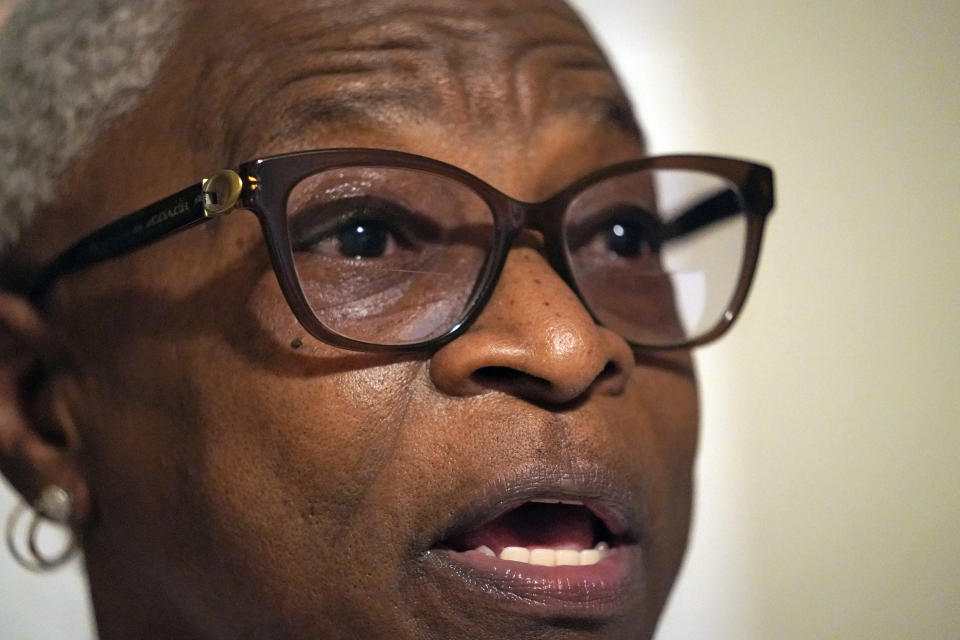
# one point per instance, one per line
(604, 587)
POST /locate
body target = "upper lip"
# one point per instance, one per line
(617, 506)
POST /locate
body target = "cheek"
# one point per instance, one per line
(284, 474)
(236, 458)
(669, 455)
(326, 438)
(651, 432)
(303, 426)
(310, 453)
(673, 405)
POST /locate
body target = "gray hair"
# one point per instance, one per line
(68, 69)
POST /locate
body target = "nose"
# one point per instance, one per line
(534, 340)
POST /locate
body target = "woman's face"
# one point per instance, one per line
(251, 481)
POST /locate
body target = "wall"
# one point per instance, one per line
(829, 477)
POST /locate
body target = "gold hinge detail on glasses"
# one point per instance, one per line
(221, 191)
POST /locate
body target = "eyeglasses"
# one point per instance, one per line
(380, 250)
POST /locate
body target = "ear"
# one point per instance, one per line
(39, 442)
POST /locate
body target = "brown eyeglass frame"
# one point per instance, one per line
(263, 185)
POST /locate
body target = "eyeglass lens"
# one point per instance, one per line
(657, 254)
(396, 256)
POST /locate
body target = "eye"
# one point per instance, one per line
(359, 228)
(623, 231)
(624, 237)
(368, 239)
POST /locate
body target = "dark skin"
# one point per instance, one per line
(247, 480)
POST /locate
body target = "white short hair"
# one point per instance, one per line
(68, 69)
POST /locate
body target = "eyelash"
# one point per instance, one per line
(405, 227)
(637, 217)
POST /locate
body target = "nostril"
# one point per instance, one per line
(516, 382)
(543, 390)
(612, 370)
(495, 376)
(508, 378)
(612, 378)
(484, 374)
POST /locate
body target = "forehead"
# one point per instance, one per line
(297, 74)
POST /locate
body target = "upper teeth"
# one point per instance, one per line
(557, 501)
(551, 557)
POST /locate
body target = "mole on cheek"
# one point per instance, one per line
(296, 343)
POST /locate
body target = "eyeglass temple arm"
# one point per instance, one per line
(139, 229)
(717, 207)
(757, 189)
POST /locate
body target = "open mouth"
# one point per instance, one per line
(543, 532)
(578, 555)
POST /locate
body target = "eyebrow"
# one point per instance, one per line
(368, 106)
(360, 96)
(612, 110)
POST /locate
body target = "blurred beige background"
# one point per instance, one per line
(829, 477)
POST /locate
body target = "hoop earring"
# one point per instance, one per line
(54, 505)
